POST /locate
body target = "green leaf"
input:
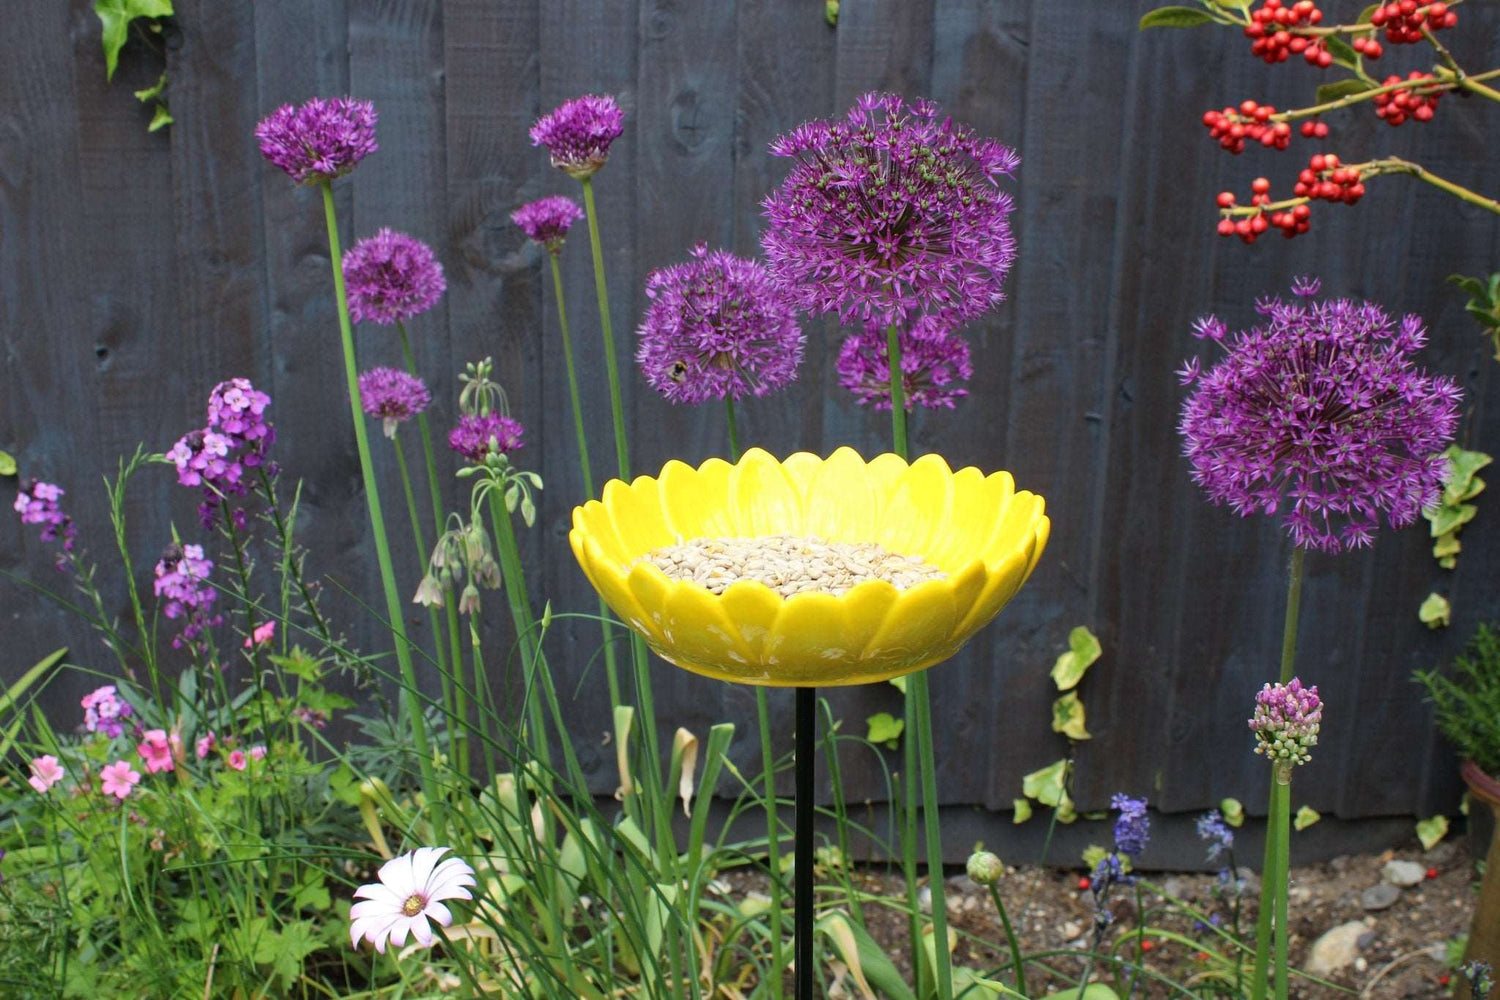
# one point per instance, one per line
(1306, 817)
(1330, 92)
(160, 120)
(899, 683)
(885, 728)
(1092, 855)
(1093, 991)
(115, 16)
(1175, 17)
(1083, 650)
(872, 960)
(1065, 812)
(1046, 784)
(1068, 717)
(1342, 53)
(1367, 13)
(1021, 811)
(151, 93)
(1435, 612)
(1431, 830)
(7, 464)
(1446, 519)
(1232, 811)
(1445, 548)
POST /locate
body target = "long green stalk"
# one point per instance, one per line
(377, 524)
(1283, 794)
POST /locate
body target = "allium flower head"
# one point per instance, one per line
(392, 395)
(1286, 722)
(410, 893)
(323, 139)
(548, 220)
(104, 711)
(477, 436)
(37, 503)
(45, 772)
(985, 867)
(391, 278)
(932, 362)
(578, 134)
(119, 779)
(717, 327)
(895, 210)
(1213, 829)
(1322, 409)
(1132, 826)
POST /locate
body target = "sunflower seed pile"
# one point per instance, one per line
(789, 564)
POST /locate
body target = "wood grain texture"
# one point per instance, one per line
(138, 270)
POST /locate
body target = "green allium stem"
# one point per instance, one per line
(1012, 940)
(898, 390)
(734, 429)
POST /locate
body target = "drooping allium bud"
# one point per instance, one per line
(392, 395)
(547, 220)
(1286, 722)
(985, 868)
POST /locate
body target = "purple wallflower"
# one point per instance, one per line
(1286, 722)
(392, 395)
(104, 711)
(323, 139)
(578, 134)
(182, 579)
(1322, 406)
(37, 503)
(391, 278)
(1213, 829)
(1132, 826)
(892, 211)
(547, 220)
(237, 437)
(717, 327)
(476, 437)
(931, 363)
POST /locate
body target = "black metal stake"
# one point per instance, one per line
(807, 729)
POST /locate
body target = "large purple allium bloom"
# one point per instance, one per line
(893, 211)
(391, 278)
(392, 395)
(1132, 826)
(1286, 722)
(37, 503)
(323, 139)
(182, 579)
(717, 327)
(932, 362)
(1320, 406)
(547, 220)
(476, 437)
(578, 134)
(237, 438)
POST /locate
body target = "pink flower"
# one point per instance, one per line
(237, 759)
(119, 779)
(408, 895)
(205, 744)
(257, 752)
(156, 751)
(261, 635)
(45, 772)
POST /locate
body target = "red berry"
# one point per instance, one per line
(1083, 883)
(1225, 199)
(1432, 873)
(1147, 945)
(1226, 227)
(1444, 979)
(1260, 185)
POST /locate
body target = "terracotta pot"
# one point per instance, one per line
(1484, 933)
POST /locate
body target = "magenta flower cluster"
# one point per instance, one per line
(547, 220)
(932, 363)
(717, 327)
(392, 277)
(104, 711)
(1320, 409)
(1286, 721)
(37, 503)
(182, 582)
(320, 140)
(477, 436)
(392, 395)
(893, 211)
(578, 134)
(236, 439)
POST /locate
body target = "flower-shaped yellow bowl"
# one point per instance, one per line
(984, 535)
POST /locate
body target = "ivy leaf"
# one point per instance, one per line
(1435, 612)
(899, 683)
(1341, 52)
(1046, 785)
(1306, 817)
(161, 119)
(1431, 830)
(1092, 855)
(7, 464)
(1232, 811)
(1068, 717)
(1021, 809)
(885, 728)
(1330, 92)
(1083, 650)
(115, 16)
(151, 93)
(1065, 812)
(1445, 549)
(1367, 13)
(1462, 467)
(1448, 519)
(1175, 17)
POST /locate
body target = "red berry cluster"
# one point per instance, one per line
(1324, 179)
(1314, 129)
(1395, 107)
(1272, 36)
(1403, 21)
(1250, 227)
(1367, 46)
(1232, 126)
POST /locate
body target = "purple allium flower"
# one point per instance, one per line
(894, 210)
(237, 438)
(547, 220)
(1212, 828)
(323, 139)
(1132, 826)
(182, 578)
(104, 711)
(476, 437)
(578, 133)
(391, 278)
(1322, 406)
(1286, 722)
(931, 363)
(37, 503)
(393, 395)
(717, 327)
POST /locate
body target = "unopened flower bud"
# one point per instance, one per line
(985, 868)
(468, 601)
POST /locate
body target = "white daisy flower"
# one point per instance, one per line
(409, 894)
